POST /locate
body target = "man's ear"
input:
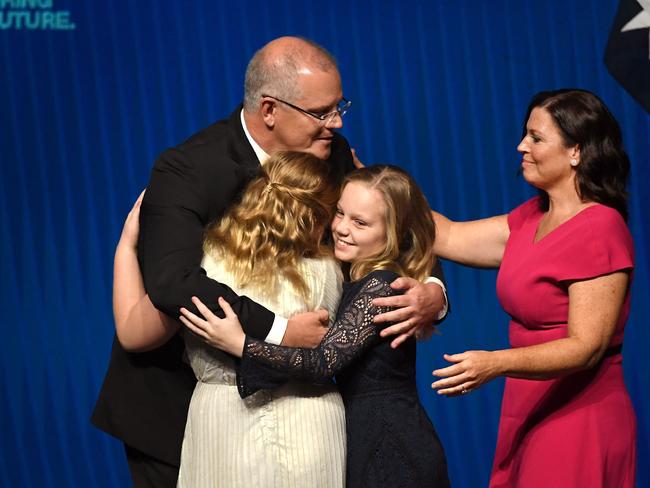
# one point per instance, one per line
(268, 108)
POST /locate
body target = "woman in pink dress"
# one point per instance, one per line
(565, 263)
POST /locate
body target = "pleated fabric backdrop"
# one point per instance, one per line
(439, 88)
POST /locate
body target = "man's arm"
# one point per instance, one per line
(181, 199)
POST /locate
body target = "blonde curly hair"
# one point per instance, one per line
(280, 219)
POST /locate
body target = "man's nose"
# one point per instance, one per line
(335, 122)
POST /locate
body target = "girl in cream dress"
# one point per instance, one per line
(267, 248)
(293, 436)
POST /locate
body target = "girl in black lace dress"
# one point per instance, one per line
(382, 229)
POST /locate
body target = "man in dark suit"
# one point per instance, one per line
(293, 101)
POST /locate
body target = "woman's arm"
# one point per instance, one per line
(478, 243)
(351, 334)
(139, 326)
(266, 365)
(594, 309)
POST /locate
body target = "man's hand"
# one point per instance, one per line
(355, 160)
(306, 329)
(416, 309)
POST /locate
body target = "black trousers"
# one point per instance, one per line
(149, 472)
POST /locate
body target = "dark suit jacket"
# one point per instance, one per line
(145, 396)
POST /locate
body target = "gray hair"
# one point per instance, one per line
(279, 77)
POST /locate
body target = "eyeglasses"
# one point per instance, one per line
(326, 118)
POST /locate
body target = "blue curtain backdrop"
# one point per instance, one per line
(439, 87)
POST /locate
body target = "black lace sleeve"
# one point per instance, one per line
(265, 366)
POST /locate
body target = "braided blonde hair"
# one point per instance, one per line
(280, 219)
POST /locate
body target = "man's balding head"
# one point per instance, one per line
(274, 69)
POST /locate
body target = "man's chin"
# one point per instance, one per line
(321, 149)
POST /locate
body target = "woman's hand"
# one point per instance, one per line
(131, 227)
(226, 334)
(470, 370)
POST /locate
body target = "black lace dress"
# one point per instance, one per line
(390, 439)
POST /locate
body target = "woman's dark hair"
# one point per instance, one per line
(584, 120)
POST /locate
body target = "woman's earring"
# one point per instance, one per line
(574, 162)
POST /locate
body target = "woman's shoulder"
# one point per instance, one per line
(596, 241)
(603, 216)
(601, 223)
(523, 212)
(606, 226)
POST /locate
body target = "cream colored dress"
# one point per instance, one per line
(293, 436)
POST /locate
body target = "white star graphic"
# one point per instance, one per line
(640, 21)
